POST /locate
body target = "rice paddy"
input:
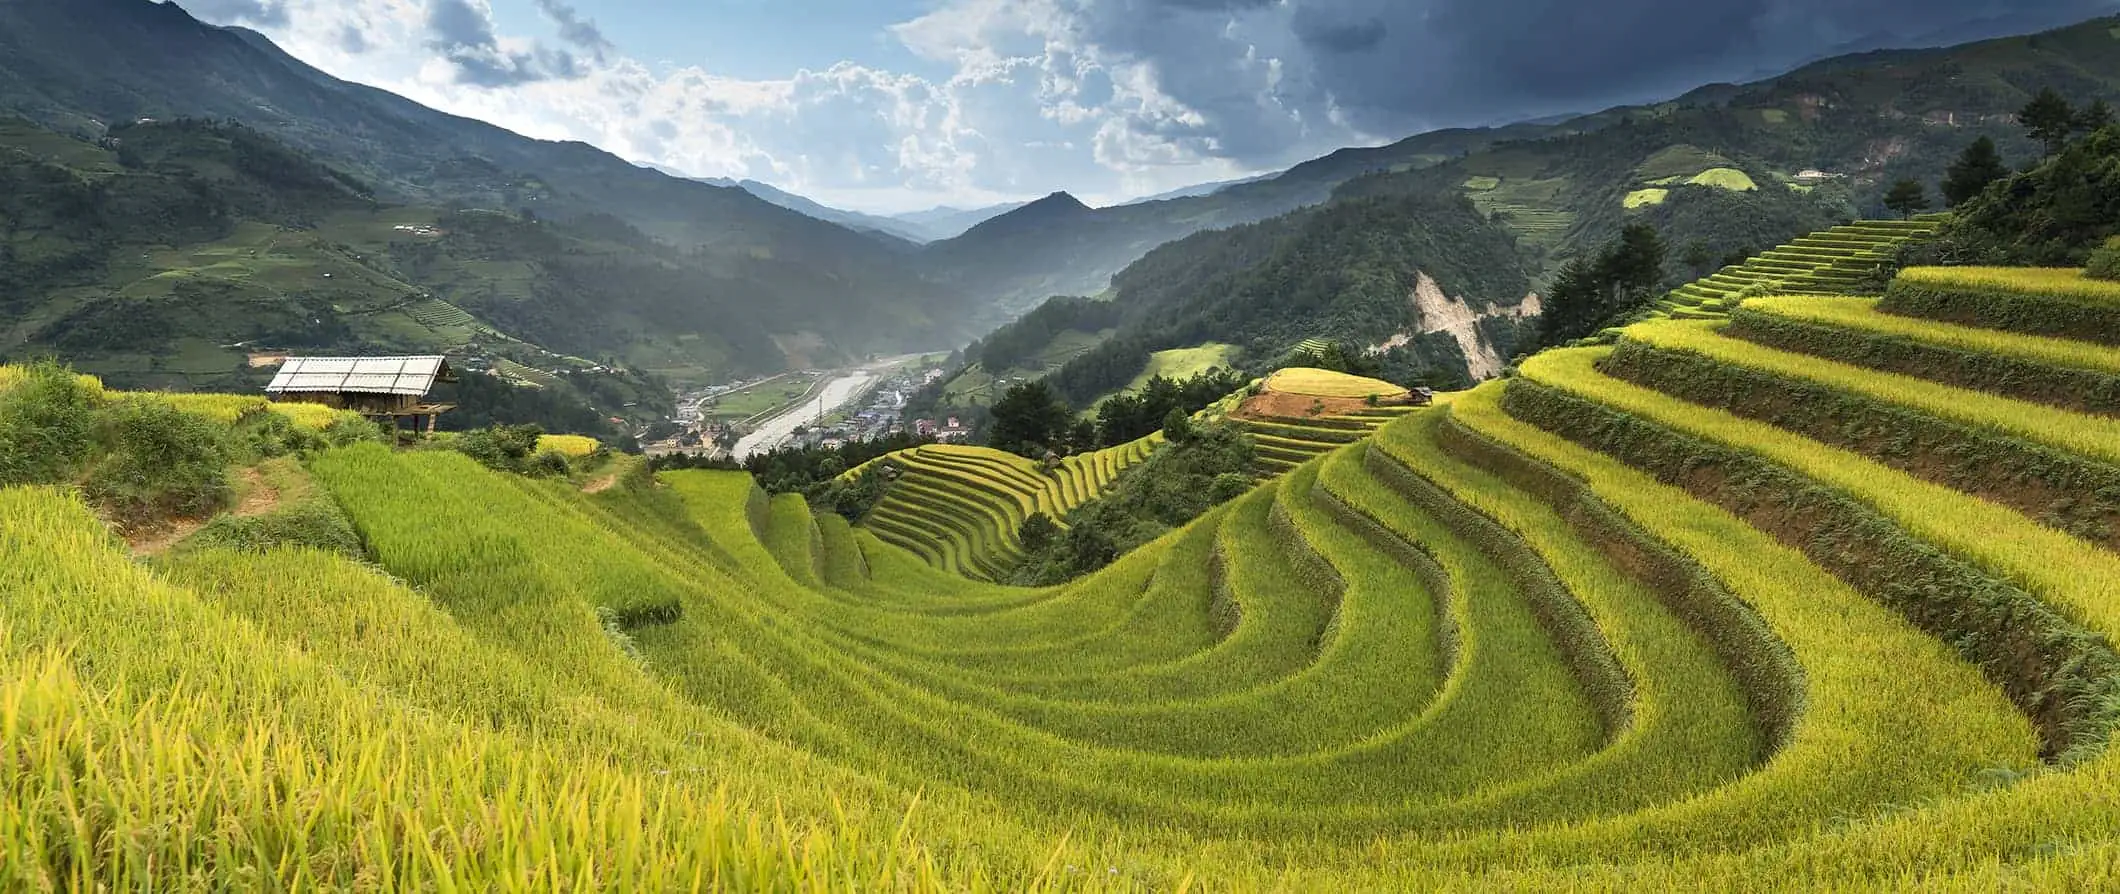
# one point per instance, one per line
(1729, 604)
(1835, 261)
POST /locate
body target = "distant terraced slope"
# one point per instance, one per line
(1299, 414)
(1832, 261)
(959, 508)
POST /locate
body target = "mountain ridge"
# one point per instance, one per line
(156, 61)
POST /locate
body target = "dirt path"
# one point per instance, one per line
(259, 497)
(599, 485)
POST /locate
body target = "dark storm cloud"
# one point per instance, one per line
(1389, 68)
(1325, 34)
(464, 35)
(1473, 61)
(574, 29)
(263, 13)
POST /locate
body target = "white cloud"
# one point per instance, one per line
(1040, 99)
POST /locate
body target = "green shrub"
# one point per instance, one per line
(506, 448)
(548, 463)
(46, 419)
(261, 433)
(161, 462)
(2105, 262)
(314, 523)
(350, 429)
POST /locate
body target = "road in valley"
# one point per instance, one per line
(836, 393)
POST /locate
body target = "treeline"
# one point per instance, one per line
(1592, 293)
(1013, 346)
(1032, 420)
(2058, 212)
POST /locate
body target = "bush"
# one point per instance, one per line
(46, 419)
(505, 448)
(262, 433)
(548, 463)
(2105, 262)
(350, 429)
(161, 463)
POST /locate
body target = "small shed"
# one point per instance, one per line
(376, 387)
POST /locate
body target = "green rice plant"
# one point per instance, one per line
(1974, 592)
(131, 770)
(2089, 436)
(2057, 302)
(1858, 748)
(2059, 372)
(2067, 490)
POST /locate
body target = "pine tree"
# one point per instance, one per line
(1907, 197)
(2049, 119)
(2096, 117)
(1977, 167)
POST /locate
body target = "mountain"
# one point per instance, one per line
(1018, 266)
(1433, 282)
(1200, 189)
(1863, 119)
(828, 292)
(946, 222)
(895, 231)
(170, 255)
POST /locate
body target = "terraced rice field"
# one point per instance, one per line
(1831, 261)
(1776, 602)
(960, 508)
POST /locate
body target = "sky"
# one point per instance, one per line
(898, 105)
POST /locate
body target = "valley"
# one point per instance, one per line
(1672, 497)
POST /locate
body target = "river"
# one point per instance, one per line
(836, 393)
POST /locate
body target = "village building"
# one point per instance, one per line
(380, 388)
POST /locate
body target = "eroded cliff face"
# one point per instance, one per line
(1439, 312)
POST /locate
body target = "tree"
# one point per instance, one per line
(1977, 167)
(2095, 117)
(2049, 119)
(1177, 426)
(1907, 197)
(1587, 294)
(1037, 532)
(1028, 420)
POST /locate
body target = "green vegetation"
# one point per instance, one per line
(1344, 273)
(1660, 612)
(1178, 364)
(1842, 259)
(2037, 301)
(1813, 593)
(1642, 198)
(1724, 178)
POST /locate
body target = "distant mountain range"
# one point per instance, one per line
(829, 292)
(722, 278)
(1562, 185)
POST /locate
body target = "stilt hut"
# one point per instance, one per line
(392, 388)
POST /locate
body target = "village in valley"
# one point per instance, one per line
(711, 421)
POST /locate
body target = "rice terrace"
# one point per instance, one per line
(1782, 554)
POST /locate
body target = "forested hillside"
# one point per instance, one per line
(167, 253)
(1859, 123)
(80, 68)
(1351, 271)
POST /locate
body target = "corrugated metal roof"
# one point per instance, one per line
(359, 375)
